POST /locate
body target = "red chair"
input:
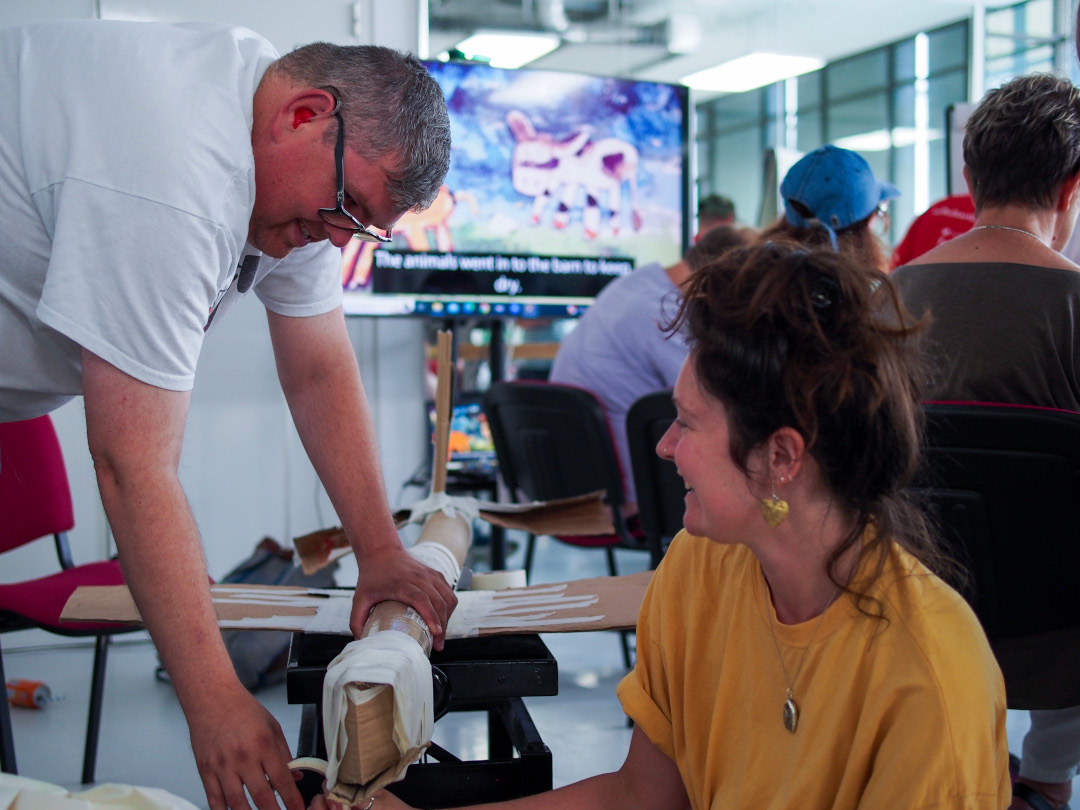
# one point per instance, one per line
(35, 501)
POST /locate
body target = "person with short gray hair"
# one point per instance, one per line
(1022, 142)
(150, 175)
(411, 119)
(1004, 304)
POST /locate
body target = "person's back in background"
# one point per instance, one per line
(1004, 306)
(617, 349)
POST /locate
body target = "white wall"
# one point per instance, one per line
(243, 468)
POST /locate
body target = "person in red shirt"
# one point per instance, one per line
(939, 223)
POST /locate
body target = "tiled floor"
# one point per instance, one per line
(144, 738)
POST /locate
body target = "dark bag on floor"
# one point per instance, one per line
(260, 656)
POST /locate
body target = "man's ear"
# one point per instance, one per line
(305, 106)
(1067, 195)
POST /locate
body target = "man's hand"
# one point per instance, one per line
(321, 382)
(391, 573)
(238, 744)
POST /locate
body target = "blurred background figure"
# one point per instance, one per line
(714, 211)
(1005, 305)
(832, 199)
(617, 349)
(944, 220)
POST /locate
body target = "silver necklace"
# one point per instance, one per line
(1009, 228)
(791, 708)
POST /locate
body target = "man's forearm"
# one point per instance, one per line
(322, 385)
(163, 563)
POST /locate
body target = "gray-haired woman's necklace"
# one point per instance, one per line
(1009, 228)
(791, 708)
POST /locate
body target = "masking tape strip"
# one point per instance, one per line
(450, 505)
(390, 658)
(484, 610)
(476, 610)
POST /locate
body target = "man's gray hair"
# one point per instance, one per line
(391, 106)
(1023, 142)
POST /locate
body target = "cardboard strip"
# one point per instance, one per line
(270, 607)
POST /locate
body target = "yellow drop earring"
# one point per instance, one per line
(775, 508)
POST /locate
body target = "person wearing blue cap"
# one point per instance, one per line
(831, 198)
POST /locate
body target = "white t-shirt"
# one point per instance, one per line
(126, 186)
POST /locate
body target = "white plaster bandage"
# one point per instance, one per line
(388, 658)
(439, 557)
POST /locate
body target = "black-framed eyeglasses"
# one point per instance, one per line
(339, 217)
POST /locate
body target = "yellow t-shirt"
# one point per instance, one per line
(908, 713)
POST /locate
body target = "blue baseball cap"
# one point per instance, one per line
(836, 187)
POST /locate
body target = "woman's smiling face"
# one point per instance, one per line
(719, 501)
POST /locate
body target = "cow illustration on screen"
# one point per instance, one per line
(546, 168)
(417, 227)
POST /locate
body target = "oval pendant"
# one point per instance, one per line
(791, 715)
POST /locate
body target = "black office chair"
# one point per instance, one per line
(1004, 484)
(661, 493)
(553, 441)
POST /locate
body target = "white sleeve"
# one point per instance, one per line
(132, 280)
(306, 282)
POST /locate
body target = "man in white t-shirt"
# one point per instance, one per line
(150, 174)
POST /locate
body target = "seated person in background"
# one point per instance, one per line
(1005, 309)
(617, 349)
(794, 648)
(832, 199)
(944, 220)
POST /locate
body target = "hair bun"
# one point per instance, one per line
(825, 298)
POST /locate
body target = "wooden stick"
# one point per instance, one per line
(370, 753)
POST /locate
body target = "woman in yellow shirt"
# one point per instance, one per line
(795, 649)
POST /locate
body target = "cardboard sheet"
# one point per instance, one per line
(268, 607)
(582, 514)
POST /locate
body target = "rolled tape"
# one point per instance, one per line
(313, 777)
(498, 580)
(308, 764)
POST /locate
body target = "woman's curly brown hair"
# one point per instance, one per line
(785, 336)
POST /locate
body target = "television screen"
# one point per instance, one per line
(471, 448)
(558, 183)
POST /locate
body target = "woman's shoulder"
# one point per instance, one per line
(930, 625)
(692, 562)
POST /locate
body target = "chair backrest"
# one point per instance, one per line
(661, 493)
(552, 441)
(35, 499)
(1004, 483)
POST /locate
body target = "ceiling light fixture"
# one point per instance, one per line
(508, 50)
(751, 71)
